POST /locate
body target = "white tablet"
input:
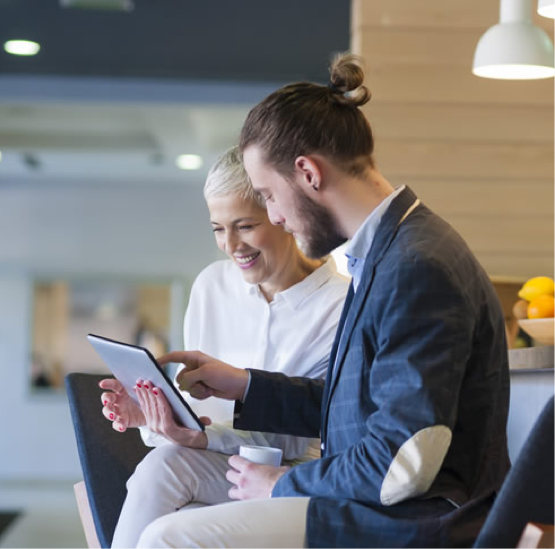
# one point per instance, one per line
(129, 363)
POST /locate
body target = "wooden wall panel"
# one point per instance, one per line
(473, 123)
(452, 84)
(477, 151)
(456, 159)
(527, 266)
(451, 47)
(511, 199)
(443, 14)
(401, 45)
(503, 234)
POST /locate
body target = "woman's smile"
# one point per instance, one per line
(247, 261)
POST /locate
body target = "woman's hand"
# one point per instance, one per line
(119, 407)
(204, 376)
(159, 418)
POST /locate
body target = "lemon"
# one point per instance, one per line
(542, 306)
(539, 285)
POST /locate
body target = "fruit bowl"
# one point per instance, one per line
(540, 329)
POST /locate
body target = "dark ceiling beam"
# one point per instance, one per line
(23, 89)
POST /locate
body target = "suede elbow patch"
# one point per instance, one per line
(416, 465)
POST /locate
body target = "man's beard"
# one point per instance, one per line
(321, 233)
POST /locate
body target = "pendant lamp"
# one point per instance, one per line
(514, 49)
(546, 8)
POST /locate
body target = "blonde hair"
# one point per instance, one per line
(228, 176)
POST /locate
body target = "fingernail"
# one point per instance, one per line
(155, 392)
(146, 386)
(139, 385)
(111, 416)
(121, 429)
(105, 402)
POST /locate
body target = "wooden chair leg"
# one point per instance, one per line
(86, 515)
(537, 535)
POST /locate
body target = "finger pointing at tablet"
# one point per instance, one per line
(205, 376)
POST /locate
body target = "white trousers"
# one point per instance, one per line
(170, 478)
(275, 522)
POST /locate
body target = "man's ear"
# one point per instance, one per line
(308, 170)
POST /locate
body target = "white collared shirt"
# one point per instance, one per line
(360, 244)
(231, 320)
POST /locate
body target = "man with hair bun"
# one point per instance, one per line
(412, 415)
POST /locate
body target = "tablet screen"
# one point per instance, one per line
(129, 363)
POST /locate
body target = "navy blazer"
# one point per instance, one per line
(421, 345)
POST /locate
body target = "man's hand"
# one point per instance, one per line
(159, 417)
(251, 480)
(119, 407)
(205, 376)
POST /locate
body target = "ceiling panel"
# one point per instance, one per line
(209, 39)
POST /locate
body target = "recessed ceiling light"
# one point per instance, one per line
(22, 47)
(113, 5)
(189, 161)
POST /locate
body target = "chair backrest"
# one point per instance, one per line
(527, 495)
(107, 458)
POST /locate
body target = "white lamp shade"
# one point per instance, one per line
(514, 51)
(546, 8)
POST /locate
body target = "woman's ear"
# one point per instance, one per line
(309, 173)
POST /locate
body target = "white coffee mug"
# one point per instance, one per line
(262, 455)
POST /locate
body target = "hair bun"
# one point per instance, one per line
(347, 75)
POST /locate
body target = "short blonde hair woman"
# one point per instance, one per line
(267, 307)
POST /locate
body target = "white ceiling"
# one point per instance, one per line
(129, 143)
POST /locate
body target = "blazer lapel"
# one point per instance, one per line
(333, 354)
(385, 233)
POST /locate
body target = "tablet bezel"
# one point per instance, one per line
(169, 383)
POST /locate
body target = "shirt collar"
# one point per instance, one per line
(252, 289)
(294, 295)
(297, 293)
(360, 244)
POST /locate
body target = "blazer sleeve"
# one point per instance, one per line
(224, 439)
(277, 403)
(412, 342)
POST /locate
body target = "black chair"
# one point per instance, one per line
(107, 458)
(527, 495)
